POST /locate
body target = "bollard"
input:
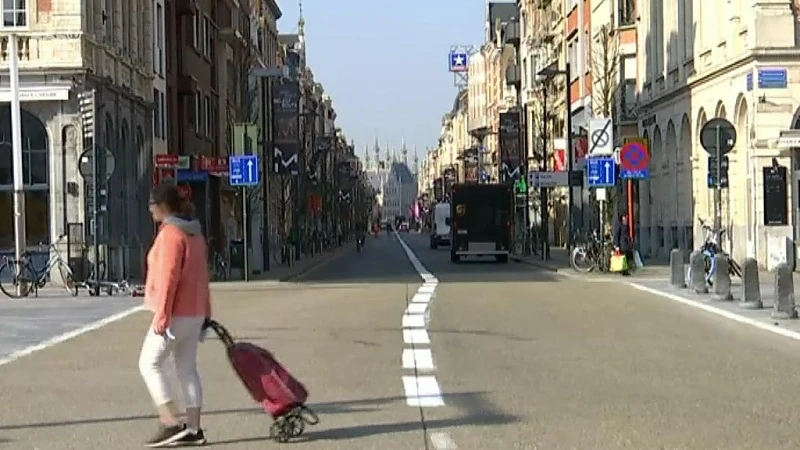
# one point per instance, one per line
(697, 267)
(676, 274)
(784, 307)
(722, 278)
(751, 287)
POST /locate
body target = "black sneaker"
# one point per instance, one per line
(167, 435)
(190, 439)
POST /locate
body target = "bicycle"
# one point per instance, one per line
(710, 248)
(25, 277)
(217, 268)
(591, 255)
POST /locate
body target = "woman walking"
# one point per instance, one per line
(177, 293)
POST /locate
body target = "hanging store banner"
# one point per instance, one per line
(470, 158)
(286, 123)
(510, 151)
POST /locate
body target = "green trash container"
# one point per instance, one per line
(237, 254)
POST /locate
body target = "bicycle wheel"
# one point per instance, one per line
(67, 278)
(11, 284)
(581, 260)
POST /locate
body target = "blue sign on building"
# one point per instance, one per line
(244, 170)
(601, 172)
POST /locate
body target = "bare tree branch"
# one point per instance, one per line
(605, 60)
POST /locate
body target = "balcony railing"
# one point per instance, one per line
(44, 49)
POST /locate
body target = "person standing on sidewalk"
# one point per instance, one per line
(623, 242)
(177, 293)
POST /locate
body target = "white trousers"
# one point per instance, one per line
(183, 349)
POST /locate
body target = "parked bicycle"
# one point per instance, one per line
(18, 278)
(591, 254)
(710, 248)
(217, 268)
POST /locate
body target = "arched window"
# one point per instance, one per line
(35, 177)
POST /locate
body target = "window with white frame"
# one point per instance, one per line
(158, 47)
(163, 100)
(209, 116)
(197, 107)
(196, 31)
(208, 32)
(157, 114)
(201, 115)
(572, 58)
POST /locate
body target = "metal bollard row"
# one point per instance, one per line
(720, 284)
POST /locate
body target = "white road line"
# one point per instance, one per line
(720, 312)
(69, 335)
(414, 321)
(416, 308)
(419, 358)
(421, 298)
(422, 391)
(416, 336)
(442, 441)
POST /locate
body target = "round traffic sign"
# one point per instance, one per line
(634, 157)
(718, 136)
(105, 166)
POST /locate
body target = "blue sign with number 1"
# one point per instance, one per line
(601, 172)
(243, 170)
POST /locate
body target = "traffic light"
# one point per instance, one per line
(520, 186)
(723, 171)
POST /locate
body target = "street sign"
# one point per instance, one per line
(244, 170)
(601, 137)
(718, 136)
(601, 172)
(634, 161)
(458, 61)
(715, 170)
(106, 165)
(548, 179)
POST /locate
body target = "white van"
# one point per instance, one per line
(441, 226)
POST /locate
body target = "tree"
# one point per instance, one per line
(605, 61)
(606, 87)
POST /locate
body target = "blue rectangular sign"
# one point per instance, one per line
(601, 172)
(772, 78)
(458, 61)
(634, 174)
(244, 170)
(189, 176)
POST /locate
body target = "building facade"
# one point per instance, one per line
(400, 191)
(703, 60)
(66, 49)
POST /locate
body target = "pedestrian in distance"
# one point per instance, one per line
(623, 242)
(177, 293)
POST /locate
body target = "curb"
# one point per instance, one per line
(541, 265)
(308, 267)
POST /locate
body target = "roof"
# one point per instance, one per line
(402, 173)
(288, 40)
(504, 12)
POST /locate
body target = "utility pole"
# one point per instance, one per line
(20, 238)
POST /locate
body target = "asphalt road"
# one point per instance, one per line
(525, 359)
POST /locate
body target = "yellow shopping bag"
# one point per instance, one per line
(619, 263)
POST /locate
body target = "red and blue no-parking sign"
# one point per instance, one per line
(634, 160)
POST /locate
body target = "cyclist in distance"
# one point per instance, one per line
(623, 242)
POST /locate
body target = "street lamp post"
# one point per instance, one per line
(549, 73)
(20, 239)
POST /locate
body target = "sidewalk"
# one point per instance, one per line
(559, 262)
